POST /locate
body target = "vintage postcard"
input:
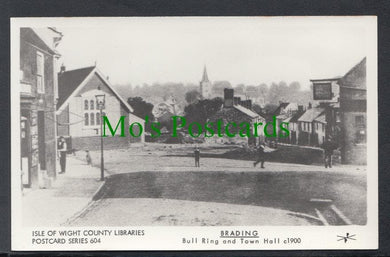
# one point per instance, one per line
(194, 133)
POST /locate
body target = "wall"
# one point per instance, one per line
(44, 102)
(351, 152)
(353, 103)
(93, 143)
(63, 122)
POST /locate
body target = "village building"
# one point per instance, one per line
(293, 126)
(284, 111)
(353, 110)
(312, 127)
(205, 86)
(345, 102)
(236, 110)
(78, 115)
(38, 95)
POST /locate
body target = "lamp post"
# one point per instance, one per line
(100, 102)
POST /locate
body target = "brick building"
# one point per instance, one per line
(38, 95)
(78, 116)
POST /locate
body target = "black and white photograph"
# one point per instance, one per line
(209, 132)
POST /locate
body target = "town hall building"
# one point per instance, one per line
(78, 116)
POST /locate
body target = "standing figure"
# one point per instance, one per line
(88, 157)
(260, 155)
(328, 147)
(197, 156)
(62, 149)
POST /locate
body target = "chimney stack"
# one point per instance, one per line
(300, 108)
(228, 94)
(309, 107)
(63, 68)
(248, 104)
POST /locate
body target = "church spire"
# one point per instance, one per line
(205, 78)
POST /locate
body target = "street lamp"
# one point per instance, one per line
(100, 104)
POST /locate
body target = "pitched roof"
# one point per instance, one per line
(311, 114)
(68, 81)
(356, 76)
(295, 117)
(281, 105)
(321, 118)
(71, 81)
(246, 111)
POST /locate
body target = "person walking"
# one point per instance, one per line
(260, 156)
(62, 149)
(328, 147)
(197, 157)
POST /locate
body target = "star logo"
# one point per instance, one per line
(346, 237)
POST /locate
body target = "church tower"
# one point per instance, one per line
(205, 85)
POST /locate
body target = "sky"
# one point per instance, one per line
(240, 50)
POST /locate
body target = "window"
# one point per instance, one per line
(92, 119)
(85, 104)
(92, 107)
(40, 73)
(359, 121)
(360, 125)
(86, 119)
(97, 118)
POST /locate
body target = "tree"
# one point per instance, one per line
(270, 108)
(202, 110)
(239, 89)
(273, 94)
(141, 107)
(192, 96)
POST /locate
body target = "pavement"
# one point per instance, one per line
(170, 212)
(69, 194)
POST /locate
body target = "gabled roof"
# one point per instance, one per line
(281, 105)
(70, 82)
(294, 118)
(246, 111)
(356, 76)
(321, 118)
(38, 38)
(311, 114)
